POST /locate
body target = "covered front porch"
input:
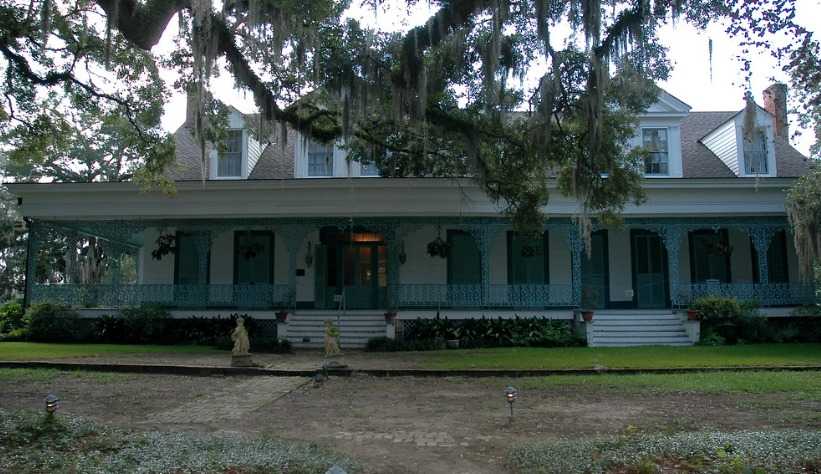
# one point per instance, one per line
(422, 266)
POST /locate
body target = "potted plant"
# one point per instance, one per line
(693, 314)
(438, 247)
(589, 298)
(282, 316)
(390, 316)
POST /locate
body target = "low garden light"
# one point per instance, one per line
(52, 404)
(511, 395)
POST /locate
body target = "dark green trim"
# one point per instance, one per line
(272, 251)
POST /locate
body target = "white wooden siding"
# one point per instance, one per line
(254, 152)
(724, 142)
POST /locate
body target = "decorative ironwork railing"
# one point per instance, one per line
(260, 296)
(765, 294)
(473, 296)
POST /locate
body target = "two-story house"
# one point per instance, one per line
(294, 225)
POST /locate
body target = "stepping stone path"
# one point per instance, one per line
(419, 438)
(232, 404)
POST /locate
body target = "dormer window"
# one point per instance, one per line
(655, 142)
(229, 158)
(320, 159)
(755, 153)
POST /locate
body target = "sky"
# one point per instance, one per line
(690, 80)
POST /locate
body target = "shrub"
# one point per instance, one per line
(55, 323)
(11, 317)
(725, 320)
(426, 334)
(730, 319)
(146, 324)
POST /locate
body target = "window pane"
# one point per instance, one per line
(320, 159)
(230, 155)
(655, 141)
(755, 154)
(710, 256)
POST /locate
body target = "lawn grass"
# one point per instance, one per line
(801, 385)
(760, 355)
(43, 351)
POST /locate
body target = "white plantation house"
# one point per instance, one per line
(297, 227)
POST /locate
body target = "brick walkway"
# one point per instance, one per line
(232, 404)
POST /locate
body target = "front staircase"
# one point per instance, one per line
(637, 328)
(306, 328)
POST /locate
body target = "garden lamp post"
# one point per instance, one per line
(52, 404)
(511, 394)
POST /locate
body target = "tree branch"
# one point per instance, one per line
(142, 23)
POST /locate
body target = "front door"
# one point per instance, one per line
(253, 268)
(649, 270)
(351, 270)
(363, 274)
(595, 273)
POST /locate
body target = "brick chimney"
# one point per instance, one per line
(775, 102)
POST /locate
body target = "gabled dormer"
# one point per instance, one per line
(659, 132)
(238, 154)
(748, 153)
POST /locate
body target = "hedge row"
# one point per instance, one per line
(431, 334)
(729, 321)
(142, 325)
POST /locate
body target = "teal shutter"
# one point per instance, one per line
(187, 261)
(527, 260)
(464, 261)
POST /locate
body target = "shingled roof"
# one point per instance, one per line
(277, 161)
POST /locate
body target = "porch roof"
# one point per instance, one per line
(374, 197)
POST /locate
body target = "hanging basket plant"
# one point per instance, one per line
(438, 247)
(166, 243)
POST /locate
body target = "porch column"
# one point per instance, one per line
(761, 237)
(671, 235)
(293, 234)
(32, 250)
(116, 276)
(576, 248)
(392, 242)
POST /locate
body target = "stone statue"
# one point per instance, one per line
(240, 357)
(331, 339)
(240, 338)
